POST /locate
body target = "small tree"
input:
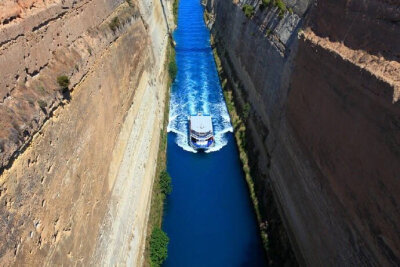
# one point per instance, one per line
(158, 247)
(248, 10)
(165, 183)
(114, 24)
(63, 82)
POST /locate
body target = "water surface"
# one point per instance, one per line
(208, 217)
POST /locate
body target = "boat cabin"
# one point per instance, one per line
(201, 131)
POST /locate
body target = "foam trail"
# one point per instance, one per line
(197, 87)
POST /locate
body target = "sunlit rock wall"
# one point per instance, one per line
(77, 165)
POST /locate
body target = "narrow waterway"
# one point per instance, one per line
(208, 217)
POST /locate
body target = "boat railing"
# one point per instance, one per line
(201, 134)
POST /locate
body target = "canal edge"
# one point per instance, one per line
(158, 198)
(236, 103)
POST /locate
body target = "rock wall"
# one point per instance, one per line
(325, 122)
(77, 165)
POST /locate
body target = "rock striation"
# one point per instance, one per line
(77, 165)
(325, 122)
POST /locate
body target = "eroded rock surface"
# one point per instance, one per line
(323, 84)
(77, 166)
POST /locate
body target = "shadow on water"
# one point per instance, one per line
(209, 216)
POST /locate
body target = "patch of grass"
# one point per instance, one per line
(158, 247)
(42, 104)
(281, 6)
(248, 10)
(246, 111)
(158, 197)
(175, 6)
(165, 183)
(172, 67)
(40, 88)
(277, 3)
(265, 3)
(63, 82)
(114, 24)
(239, 126)
(129, 3)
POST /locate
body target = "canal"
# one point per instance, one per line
(208, 216)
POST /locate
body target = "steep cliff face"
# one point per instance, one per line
(77, 165)
(325, 121)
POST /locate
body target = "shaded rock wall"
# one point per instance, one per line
(325, 121)
(81, 165)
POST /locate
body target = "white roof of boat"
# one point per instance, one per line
(201, 124)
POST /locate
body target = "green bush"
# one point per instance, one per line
(265, 3)
(248, 10)
(114, 24)
(281, 5)
(172, 68)
(63, 82)
(158, 247)
(175, 10)
(165, 183)
(246, 111)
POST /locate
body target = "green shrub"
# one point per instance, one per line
(158, 247)
(265, 3)
(172, 68)
(165, 182)
(63, 82)
(175, 10)
(246, 111)
(114, 24)
(281, 5)
(248, 10)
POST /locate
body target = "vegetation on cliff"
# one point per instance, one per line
(63, 82)
(172, 67)
(248, 10)
(114, 24)
(155, 253)
(238, 121)
(165, 183)
(274, 237)
(158, 247)
(175, 10)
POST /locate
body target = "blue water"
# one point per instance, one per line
(208, 217)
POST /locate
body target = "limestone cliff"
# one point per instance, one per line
(322, 79)
(77, 165)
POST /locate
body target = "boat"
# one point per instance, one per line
(201, 136)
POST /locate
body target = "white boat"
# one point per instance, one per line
(201, 136)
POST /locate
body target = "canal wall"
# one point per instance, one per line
(77, 164)
(323, 126)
